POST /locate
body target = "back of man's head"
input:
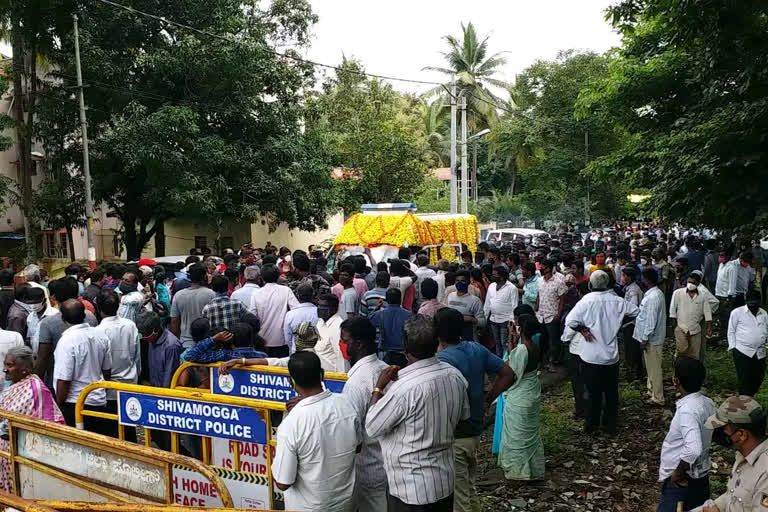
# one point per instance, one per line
(305, 293)
(191, 260)
(252, 273)
(599, 280)
(394, 297)
(109, 302)
(396, 267)
(422, 260)
(269, 273)
(448, 324)
(97, 275)
(429, 289)
(382, 279)
(420, 339)
(148, 322)
(197, 273)
(72, 312)
(72, 270)
(200, 328)
(242, 334)
(20, 292)
(404, 253)
(690, 373)
(6, 277)
(301, 262)
(305, 369)
(651, 275)
(220, 284)
(32, 273)
(65, 288)
(359, 264)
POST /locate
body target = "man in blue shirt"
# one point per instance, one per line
(390, 322)
(236, 346)
(474, 361)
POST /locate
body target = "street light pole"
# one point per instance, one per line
(86, 161)
(464, 170)
(453, 149)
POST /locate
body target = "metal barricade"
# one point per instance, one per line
(50, 460)
(81, 506)
(21, 504)
(194, 400)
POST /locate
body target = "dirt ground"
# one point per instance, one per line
(605, 473)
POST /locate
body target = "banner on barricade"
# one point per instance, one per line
(253, 457)
(262, 385)
(192, 417)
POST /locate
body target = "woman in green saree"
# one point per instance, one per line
(521, 452)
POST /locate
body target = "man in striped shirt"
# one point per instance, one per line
(414, 418)
(359, 335)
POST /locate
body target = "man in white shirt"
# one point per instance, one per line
(500, 303)
(246, 293)
(270, 304)
(650, 330)
(684, 466)
(418, 440)
(747, 335)
(329, 326)
(359, 335)
(306, 311)
(599, 317)
(8, 340)
(422, 273)
(688, 307)
(124, 349)
(82, 357)
(317, 442)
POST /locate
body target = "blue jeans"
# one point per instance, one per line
(692, 496)
(500, 333)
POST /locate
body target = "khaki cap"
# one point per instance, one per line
(740, 409)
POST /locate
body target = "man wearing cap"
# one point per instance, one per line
(739, 423)
(747, 334)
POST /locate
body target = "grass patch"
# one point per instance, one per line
(629, 396)
(557, 418)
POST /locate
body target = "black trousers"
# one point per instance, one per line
(396, 505)
(633, 354)
(112, 426)
(555, 344)
(750, 372)
(692, 496)
(580, 396)
(281, 351)
(602, 382)
(91, 424)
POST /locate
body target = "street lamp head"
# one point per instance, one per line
(480, 134)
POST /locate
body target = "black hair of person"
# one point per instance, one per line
(330, 299)
(200, 328)
(198, 273)
(359, 264)
(548, 263)
(752, 295)
(420, 340)
(382, 267)
(404, 253)
(630, 272)
(429, 289)
(232, 274)
(301, 262)
(690, 373)
(72, 312)
(220, 284)
(422, 260)
(305, 293)
(466, 255)
(396, 267)
(450, 278)
(229, 257)
(529, 266)
(651, 276)
(502, 271)
(35, 295)
(382, 279)
(347, 268)
(148, 322)
(269, 259)
(523, 309)
(757, 428)
(109, 302)
(96, 275)
(463, 273)
(448, 325)
(394, 297)
(66, 288)
(6, 277)
(305, 369)
(242, 334)
(695, 277)
(190, 260)
(72, 269)
(269, 273)
(362, 329)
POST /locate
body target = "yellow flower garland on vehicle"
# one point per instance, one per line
(397, 229)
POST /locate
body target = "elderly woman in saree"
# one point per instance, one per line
(521, 451)
(28, 395)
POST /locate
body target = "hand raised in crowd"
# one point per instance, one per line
(387, 376)
(224, 337)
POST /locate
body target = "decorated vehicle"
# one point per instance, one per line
(379, 230)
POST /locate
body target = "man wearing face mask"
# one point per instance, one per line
(468, 305)
(329, 328)
(688, 308)
(739, 423)
(500, 301)
(131, 299)
(747, 335)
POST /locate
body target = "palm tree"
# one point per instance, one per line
(472, 71)
(433, 116)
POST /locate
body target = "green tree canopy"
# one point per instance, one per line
(690, 90)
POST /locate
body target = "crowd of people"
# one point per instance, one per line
(430, 346)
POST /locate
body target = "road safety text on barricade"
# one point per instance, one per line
(261, 385)
(192, 417)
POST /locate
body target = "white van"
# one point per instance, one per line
(512, 234)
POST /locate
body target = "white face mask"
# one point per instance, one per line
(691, 287)
(36, 308)
(643, 261)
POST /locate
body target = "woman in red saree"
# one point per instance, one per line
(28, 395)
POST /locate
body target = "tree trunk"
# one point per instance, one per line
(514, 179)
(71, 243)
(160, 239)
(132, 251)
(22, 149)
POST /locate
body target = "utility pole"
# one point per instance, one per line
(86, 161)
(589, 178)
(453, 149)
(474, 170)
(464, 169)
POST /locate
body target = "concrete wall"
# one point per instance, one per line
(293, 238)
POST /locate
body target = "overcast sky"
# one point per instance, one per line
(399, 37)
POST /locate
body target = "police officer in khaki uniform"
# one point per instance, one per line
(739, 423)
